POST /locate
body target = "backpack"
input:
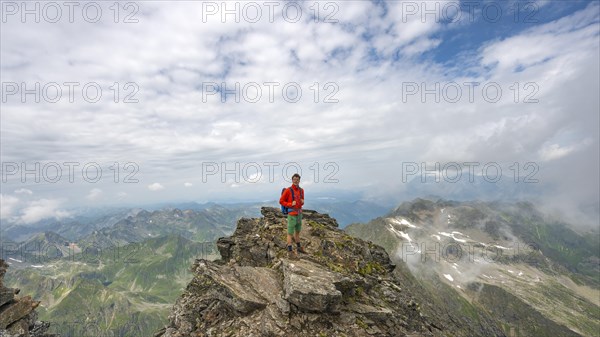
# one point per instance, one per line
(284, 209)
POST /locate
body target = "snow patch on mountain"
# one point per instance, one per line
(401, 221)
(451, 235)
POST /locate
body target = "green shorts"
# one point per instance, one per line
(294, 223)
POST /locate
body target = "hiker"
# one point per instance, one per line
(291, 200)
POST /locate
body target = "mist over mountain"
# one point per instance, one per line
(475, 187)
(536, 272)
(511, 188)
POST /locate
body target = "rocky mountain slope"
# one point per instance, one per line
(343, 286)
(18, 317)
(532, 272)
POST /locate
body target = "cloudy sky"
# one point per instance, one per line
(149, 101)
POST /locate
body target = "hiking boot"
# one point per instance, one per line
(301, 250)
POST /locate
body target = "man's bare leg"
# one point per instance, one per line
(292, 254)
(298, 246)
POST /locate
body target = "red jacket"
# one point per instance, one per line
(286, 199)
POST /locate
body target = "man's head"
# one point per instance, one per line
(296, 179)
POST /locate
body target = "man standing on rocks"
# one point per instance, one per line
(293, 199)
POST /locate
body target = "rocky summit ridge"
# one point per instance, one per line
(343, 286)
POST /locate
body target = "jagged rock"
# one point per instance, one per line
(343, 286)
(16, 311)
(7, 295)
(374, 313)
(311, 288)
(17, 315)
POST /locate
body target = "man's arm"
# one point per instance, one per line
(283, 201)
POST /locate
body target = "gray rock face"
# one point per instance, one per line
(343, 286)
(17, 315)
(310, 287)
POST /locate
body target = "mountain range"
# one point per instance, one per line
(470, 268)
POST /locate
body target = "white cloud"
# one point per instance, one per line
(188, 184)
(42, 209)
(94, 194)
(156, 187)
(567, 36)
(24, 191)
(8, 205)
(555, 151)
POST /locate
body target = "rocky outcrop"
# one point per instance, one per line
(343, 286)
(17, 315)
